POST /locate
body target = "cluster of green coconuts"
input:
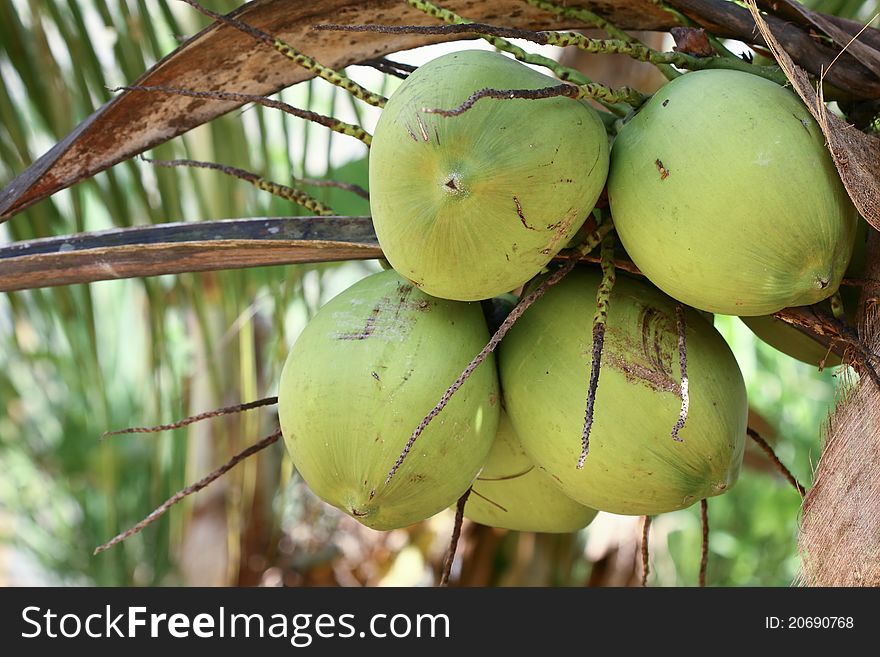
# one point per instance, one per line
(723, 195)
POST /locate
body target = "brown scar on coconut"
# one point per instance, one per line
(664, 172)
(521, 214)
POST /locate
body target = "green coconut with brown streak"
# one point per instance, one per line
(364, 372)
(634, 466)
(726, 198)
(513, 493)
(475, 205)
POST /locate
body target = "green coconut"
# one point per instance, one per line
(634, 466)
(725, 197)
(798, 343)
(471, 206)
(511, 492)
(360, 378)
(790, 340)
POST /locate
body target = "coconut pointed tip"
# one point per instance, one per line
(716, 486)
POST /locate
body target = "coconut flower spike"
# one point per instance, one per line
(603, 298)
(590, 242)
(276, 189)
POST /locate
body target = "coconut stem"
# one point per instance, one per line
(590, 242)
(189, 490)
(333, 77)
(582, 14)
(453, 542)
(666, 62)
(506, 94)
(764, 445)
(592, 90)
(646, 569)
(704, 549)
(585, 15)
(227, 410)
(562, 72)
(682, 364)
(616, 46)
(276, 189)
(600, 319)
(327, 121)
(347, 187)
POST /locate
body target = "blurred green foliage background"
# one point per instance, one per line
(79, 360)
